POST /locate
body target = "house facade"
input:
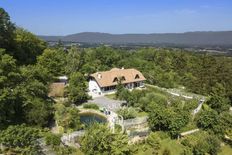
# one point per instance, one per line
(105, 82)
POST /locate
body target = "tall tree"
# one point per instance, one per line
(98, 140)
(54, 60)
(74, 60)
(28, 46)
(77, 88)
(67, 117)
(21, 139)
(218, 100)
(7, 29)
(9, 79)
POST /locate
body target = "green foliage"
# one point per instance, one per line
(61, 150)
(91, 106)
(187, 151)
(37, 107)
(151, 99)
(21, 139)
(75, 60)
(127, 113)
(38, 112)
(23, 94)
(214, 145)
(160, 118)
(201, 143)
(9, 73)
(218, 101)
(107, 56)
(67, 117)
(154, 141)
(28, 46)
(21, 44)
(134, 97)
(36, 72)
(54, 60)
(124, 94)
(201, 148)
(121, 92)
(211, 121)
(7, 29)
(166, 152)
(226, 122)
(209, 145)
(98, 140)
(77, 88)
(52, 139)
(186, 142)
(167, 119)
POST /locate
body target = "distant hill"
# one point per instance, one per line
(220, 38)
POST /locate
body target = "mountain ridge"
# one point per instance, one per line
(223, 38)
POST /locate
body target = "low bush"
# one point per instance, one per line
(166, 151)
(127, 113)
(91, 106)
(186, 142)
(52, 139)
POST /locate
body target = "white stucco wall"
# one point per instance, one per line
(94, 87)
(95, 90)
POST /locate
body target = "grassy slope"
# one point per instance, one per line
(176, 148)
(78, 152)
(172, 145)
(226, 150)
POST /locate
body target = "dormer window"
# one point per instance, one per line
(123, 78)
(137, 76)
(115, 79)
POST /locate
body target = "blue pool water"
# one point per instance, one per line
(89, 118)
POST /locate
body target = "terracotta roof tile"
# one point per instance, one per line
(106, 78)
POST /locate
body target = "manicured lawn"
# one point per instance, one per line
(111, 96)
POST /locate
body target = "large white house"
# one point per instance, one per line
(105, 82)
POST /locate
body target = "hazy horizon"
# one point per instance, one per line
(139, 33)
(59, 18)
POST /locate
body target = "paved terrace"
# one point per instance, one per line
(110, 104)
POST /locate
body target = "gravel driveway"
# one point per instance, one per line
(107, 103)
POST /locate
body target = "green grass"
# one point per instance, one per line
(190, 126)
(152, 88)
(225, 150)
(176, 148)
(173, 145)
(91, 106)
(141, 114)
(78, 152)
(111, 96)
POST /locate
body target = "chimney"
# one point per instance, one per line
(122, 68)
(99, 76)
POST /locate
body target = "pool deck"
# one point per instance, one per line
(104, 102)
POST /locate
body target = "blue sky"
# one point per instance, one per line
(61, 17)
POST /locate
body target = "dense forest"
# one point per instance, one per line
(28, 66)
